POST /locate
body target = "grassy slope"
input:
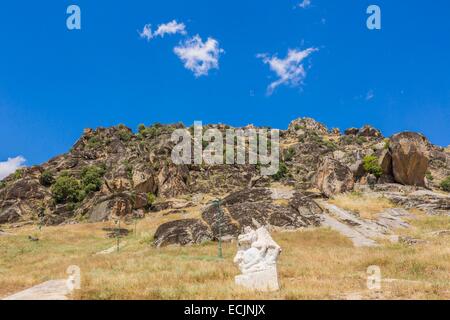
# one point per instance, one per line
(315, 264)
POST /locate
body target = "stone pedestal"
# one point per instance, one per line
(266, 280)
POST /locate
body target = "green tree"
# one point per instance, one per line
(282, 172)
(46, 179)
(370, 164)
(66, 189)
(445, 184)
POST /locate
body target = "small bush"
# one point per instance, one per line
(282, 172)
(141, 128)
(361, 140)
(429, 176)
(18, 174)
(370, 164)
(330, 145)
(91, 179)
(289, 155)
(387, 143)
(66, 189)
(2, 184)
(46, 179)
(445, 184)
(94, 142)
(151, 198)
(125, 135)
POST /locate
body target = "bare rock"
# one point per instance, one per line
(409, 158)
(351, 131)
(333, 177)
(307, 124)
(182, 232)
(369, 131)
(172, 180)
(9, 215)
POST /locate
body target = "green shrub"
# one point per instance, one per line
(330, 145)
(124, 135)
(387, 143)
(445, 184)
(46, 179)
(2, 184)
(370, 164)
(93, 142)
(141, 128)
(66, 189)
(289, 155)
(151, 198)
(18, 174)
(282, 172)
(361, 140)
(91, 179)
(429, 176)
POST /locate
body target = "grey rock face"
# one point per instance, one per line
(182, 232)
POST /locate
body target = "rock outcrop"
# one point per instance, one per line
(409, 158)
(333, 178)
(182, 232)
(139, 178)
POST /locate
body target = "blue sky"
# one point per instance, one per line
(55, 82)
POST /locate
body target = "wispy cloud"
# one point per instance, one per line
(172, 27)
(290, 70)
(304, 4)
(10, 166)
(199, 56)
(370, 95)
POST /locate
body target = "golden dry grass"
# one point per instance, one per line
(366, 205)
(315, 264)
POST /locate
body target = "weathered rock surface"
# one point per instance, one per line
(182, 232)
(262, 207)
(364, 232)
(50, 290)
(257, 207)
(409, 158)
(333, 178)
(138, 168)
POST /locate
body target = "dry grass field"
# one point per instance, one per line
(315, 264)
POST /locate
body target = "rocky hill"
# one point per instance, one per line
(113, 172)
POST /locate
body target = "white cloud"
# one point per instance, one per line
(147, 32)
(370, 95)
(289, 70)
(199, 56)
(305, 4)
(10, 166)
(172, 27)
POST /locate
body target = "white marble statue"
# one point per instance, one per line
(257, 259)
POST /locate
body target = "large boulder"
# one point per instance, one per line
(182, 232)
(143, 179)
(409, 158)
(307, 124)
(120, 205)
(9, 215)
(369, 131)
(172, 180)
(256, 207)
(333, 177)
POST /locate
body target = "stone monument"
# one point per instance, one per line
(257, 259)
